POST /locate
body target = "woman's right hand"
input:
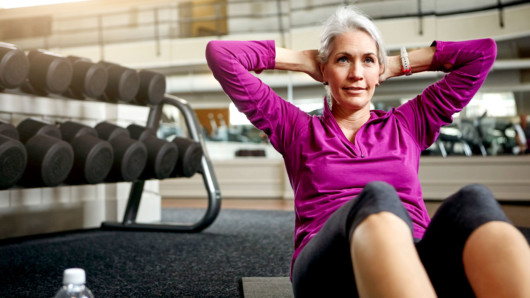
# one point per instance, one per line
(313, 65)
(302, 61)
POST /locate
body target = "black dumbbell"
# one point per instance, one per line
(123, 83)
(13, 156)
(48, 73)
(130, 156)
(190, 157)
(93, 156)
(88, 80)
(14, 66)
(50, 159)
(162, 155)
(152, 88)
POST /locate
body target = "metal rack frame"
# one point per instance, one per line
(206, 170)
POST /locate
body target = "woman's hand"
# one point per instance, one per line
(301, 61)
(313, 65)
(392, 69)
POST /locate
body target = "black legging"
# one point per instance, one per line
(324, 268)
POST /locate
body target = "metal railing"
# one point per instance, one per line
(220, 17)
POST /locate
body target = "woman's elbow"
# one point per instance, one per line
(212, 47)
(216, 56)
(489, 47)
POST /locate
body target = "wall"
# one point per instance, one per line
(259, 178)
(507, 176)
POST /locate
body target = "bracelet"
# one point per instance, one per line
(405, 64)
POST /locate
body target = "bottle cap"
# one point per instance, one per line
(74, 276)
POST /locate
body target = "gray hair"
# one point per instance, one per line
(344, 19)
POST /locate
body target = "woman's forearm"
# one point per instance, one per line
(420, 60)
(300, 61)
(287, 59)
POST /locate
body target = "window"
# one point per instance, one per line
(500, 104)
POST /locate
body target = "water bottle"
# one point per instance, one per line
(74, 285)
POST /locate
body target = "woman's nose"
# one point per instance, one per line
(355, 72)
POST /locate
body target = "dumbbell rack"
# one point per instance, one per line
(206, 170)
(40, 72)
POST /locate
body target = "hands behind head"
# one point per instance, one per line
(392, 69)
(313, 65)
(421, 60)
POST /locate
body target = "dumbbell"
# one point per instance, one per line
(130, 156)
(50, 159)
(123, 83)
(152, 88)
(48, 73)
(13, 156)
(88, 79)
(162, 155)
(189, 159)
(14, 66)
(93, 156)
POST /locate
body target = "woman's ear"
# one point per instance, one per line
(381, 69)
(322, 68)
(384, 72)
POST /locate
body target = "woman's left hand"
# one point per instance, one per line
(392, 69)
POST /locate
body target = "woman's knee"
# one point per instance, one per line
(379, 188)
(382, 223)
(477, 200)
(475, 195)
(377, 197)
(466, 210)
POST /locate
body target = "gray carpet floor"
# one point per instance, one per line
(152, 264)
(243, 251)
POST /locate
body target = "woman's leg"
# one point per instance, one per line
(385, 260)
(472, 209)
(324, 267)
(497, 261)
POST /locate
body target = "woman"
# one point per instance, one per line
(361, 224)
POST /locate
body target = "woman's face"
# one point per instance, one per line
(352, 70)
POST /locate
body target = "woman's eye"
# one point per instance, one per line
(342, 59)
(369, 60)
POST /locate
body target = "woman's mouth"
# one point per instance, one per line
(354, 90)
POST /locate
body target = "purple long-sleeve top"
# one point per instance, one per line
(325, 169)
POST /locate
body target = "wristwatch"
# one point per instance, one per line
(405, 63)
